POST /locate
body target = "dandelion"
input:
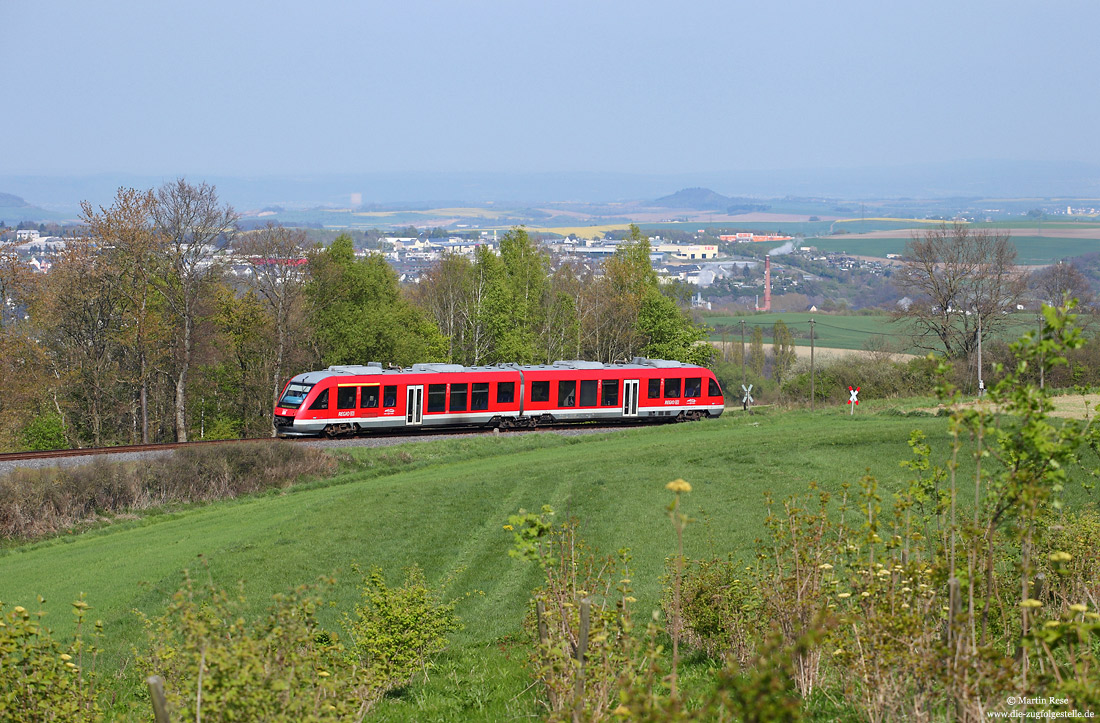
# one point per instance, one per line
(838, 651)
(66, 657)
(907, 589)
(1078, 607)
(844, 595)
(624, 581)
(19, 609)
(1031, 603)
(905, 606)
(865, 594)
(824, 566)
(1060, 557)
(678, 485)
(509, 527)
(883, 573)
(630, 599)
(323, 673)
(1051, 623)
(70, 666)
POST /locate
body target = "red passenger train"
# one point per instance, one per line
(347, 400)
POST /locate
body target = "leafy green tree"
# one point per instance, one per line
(526, 272)
(358, 314)
(669, 334)
(783, 353)
(756, 351)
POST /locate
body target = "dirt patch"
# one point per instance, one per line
(1070, 406)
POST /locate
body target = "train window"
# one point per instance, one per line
(479, 396)
(654, 388)
(320, 402)
(368, 396)
(540, 391)
(672, 388)
(389, 396)
(506, 392)
(590, 392)
(458, 397)
(610, 393)
(567, 394)
(713, 389)
(437, 398)
(345, 397)
(693, 387)
(294, 396)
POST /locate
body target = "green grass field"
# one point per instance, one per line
(1031, 250)
(441, 505)
(836, 332)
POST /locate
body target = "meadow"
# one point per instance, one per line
(831, 331)
(442, 504)
(1031, 250)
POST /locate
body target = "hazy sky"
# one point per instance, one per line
(250, 88)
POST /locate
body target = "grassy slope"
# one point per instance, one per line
(445, 513)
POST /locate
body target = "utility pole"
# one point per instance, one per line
(981, 384)
(1042, 360)
(811, 364)
(743, 378)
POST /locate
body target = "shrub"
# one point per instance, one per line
(38, 502)
(40, 679)
(579, 620)
(396, 631)
(219, 665)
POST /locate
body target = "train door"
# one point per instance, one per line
(630, 398)
(414, 410)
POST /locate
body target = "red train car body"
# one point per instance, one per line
(347, 400)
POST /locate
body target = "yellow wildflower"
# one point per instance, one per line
(509, 527)
(1078, 607)
(66, 656)
(678, 485)
(1031, 603)
(844, 595)
(824, 566)
(1060, 557)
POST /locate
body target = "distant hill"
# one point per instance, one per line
(8, 200)
(704, 199)
(695, 198)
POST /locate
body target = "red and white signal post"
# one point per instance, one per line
(852, 400)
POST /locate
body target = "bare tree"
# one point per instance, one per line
(190, 221)
(277, 257)
(125, 235)
(961, 280)
(1055, 282)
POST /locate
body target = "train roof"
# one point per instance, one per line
(375, 368)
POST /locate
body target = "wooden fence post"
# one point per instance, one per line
(582, 650)
(160, 703)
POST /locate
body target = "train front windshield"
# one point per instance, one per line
(294, 395)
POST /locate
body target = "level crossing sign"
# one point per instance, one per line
(852, 399)
(747, 399)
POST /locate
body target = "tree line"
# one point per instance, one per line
(162, 320)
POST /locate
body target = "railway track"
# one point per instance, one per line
(374, 438)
